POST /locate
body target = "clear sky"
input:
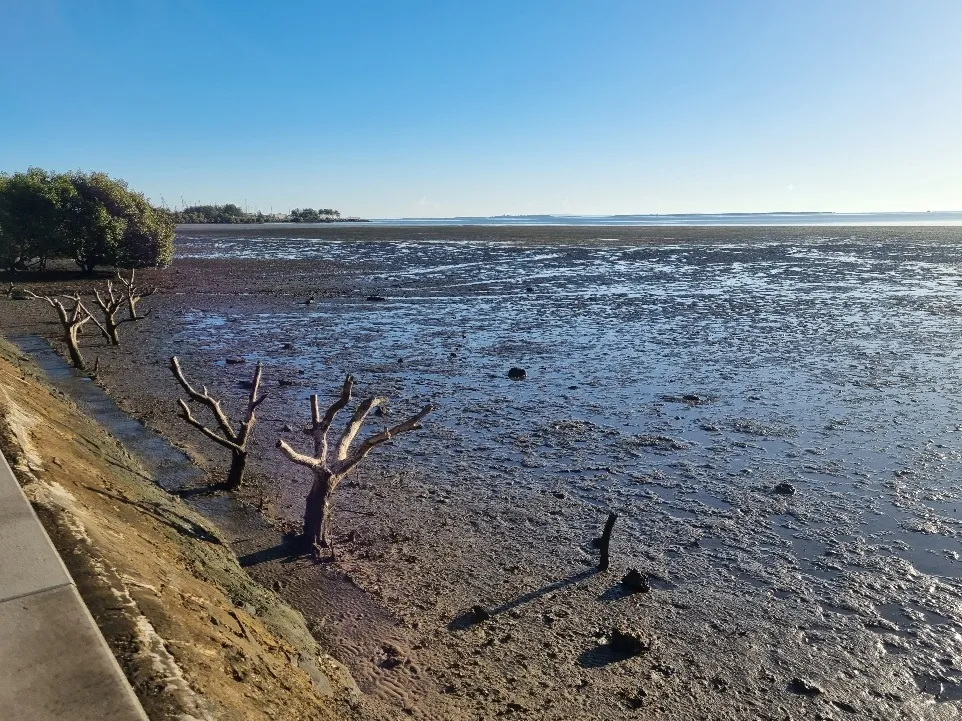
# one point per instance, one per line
(398, 108)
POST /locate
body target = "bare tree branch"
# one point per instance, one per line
(204, 399)
(296, 457)
(188, 416)
(354, 425)
(411, 424)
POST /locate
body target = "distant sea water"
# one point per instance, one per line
(699, 219)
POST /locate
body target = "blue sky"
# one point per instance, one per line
(404, 108)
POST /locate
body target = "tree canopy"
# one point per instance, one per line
(90, 218)
(231, 213)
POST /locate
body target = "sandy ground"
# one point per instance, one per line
(427, 549)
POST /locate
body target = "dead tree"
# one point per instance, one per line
(237, 441)
(72, 320)
(110, 304)
(329, 469)
(133, 295)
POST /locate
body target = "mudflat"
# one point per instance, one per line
(774, 413)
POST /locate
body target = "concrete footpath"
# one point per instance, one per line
(54, 662)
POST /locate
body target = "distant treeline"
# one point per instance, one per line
(90, 218)
(231, 213)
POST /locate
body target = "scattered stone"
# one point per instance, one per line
(803, 687)
(236, 360)
(379, 411)
(479, 614)
(376, 298)
(288, 346)
(627, 642)
(517, 374)
(529, 289)
(636, 581)
(308, 301)
(288, 428)
(692, 398)
(785, 489)
(285, 382)
(246, 385)
(572, 388)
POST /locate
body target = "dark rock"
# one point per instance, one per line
(379, 411)
(285, 382)
(288, 346)
(636, 581)
(288, 428)
(529, 289)
(517, 374)
(308, 301)
(691, 398)
(235, 361)
(572, 388)
(627, 642)
(803, 687)
(376, 298)
(480, 614)
(785, 489)
(246, 385)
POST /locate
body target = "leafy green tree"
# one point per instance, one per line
(89, 217)
(94, 223)
(115, 226)
(31, 218)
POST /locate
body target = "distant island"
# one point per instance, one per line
(231, 213)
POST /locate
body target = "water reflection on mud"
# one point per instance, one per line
(677, 383)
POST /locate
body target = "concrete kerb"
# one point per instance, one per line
(55, 662)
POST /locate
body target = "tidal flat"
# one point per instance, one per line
(774, 413)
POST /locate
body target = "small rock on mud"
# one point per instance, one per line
(803, 687)
(480, 614)
(785, 489)
(628, 642)
(517, 374)
(636, 581)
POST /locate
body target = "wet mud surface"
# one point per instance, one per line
(773, 413)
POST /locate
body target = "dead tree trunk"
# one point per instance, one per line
(329, 469)
(604, 562)
(236, 440)
(133, 295)
(72, 321)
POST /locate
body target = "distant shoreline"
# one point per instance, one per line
(727, 220)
